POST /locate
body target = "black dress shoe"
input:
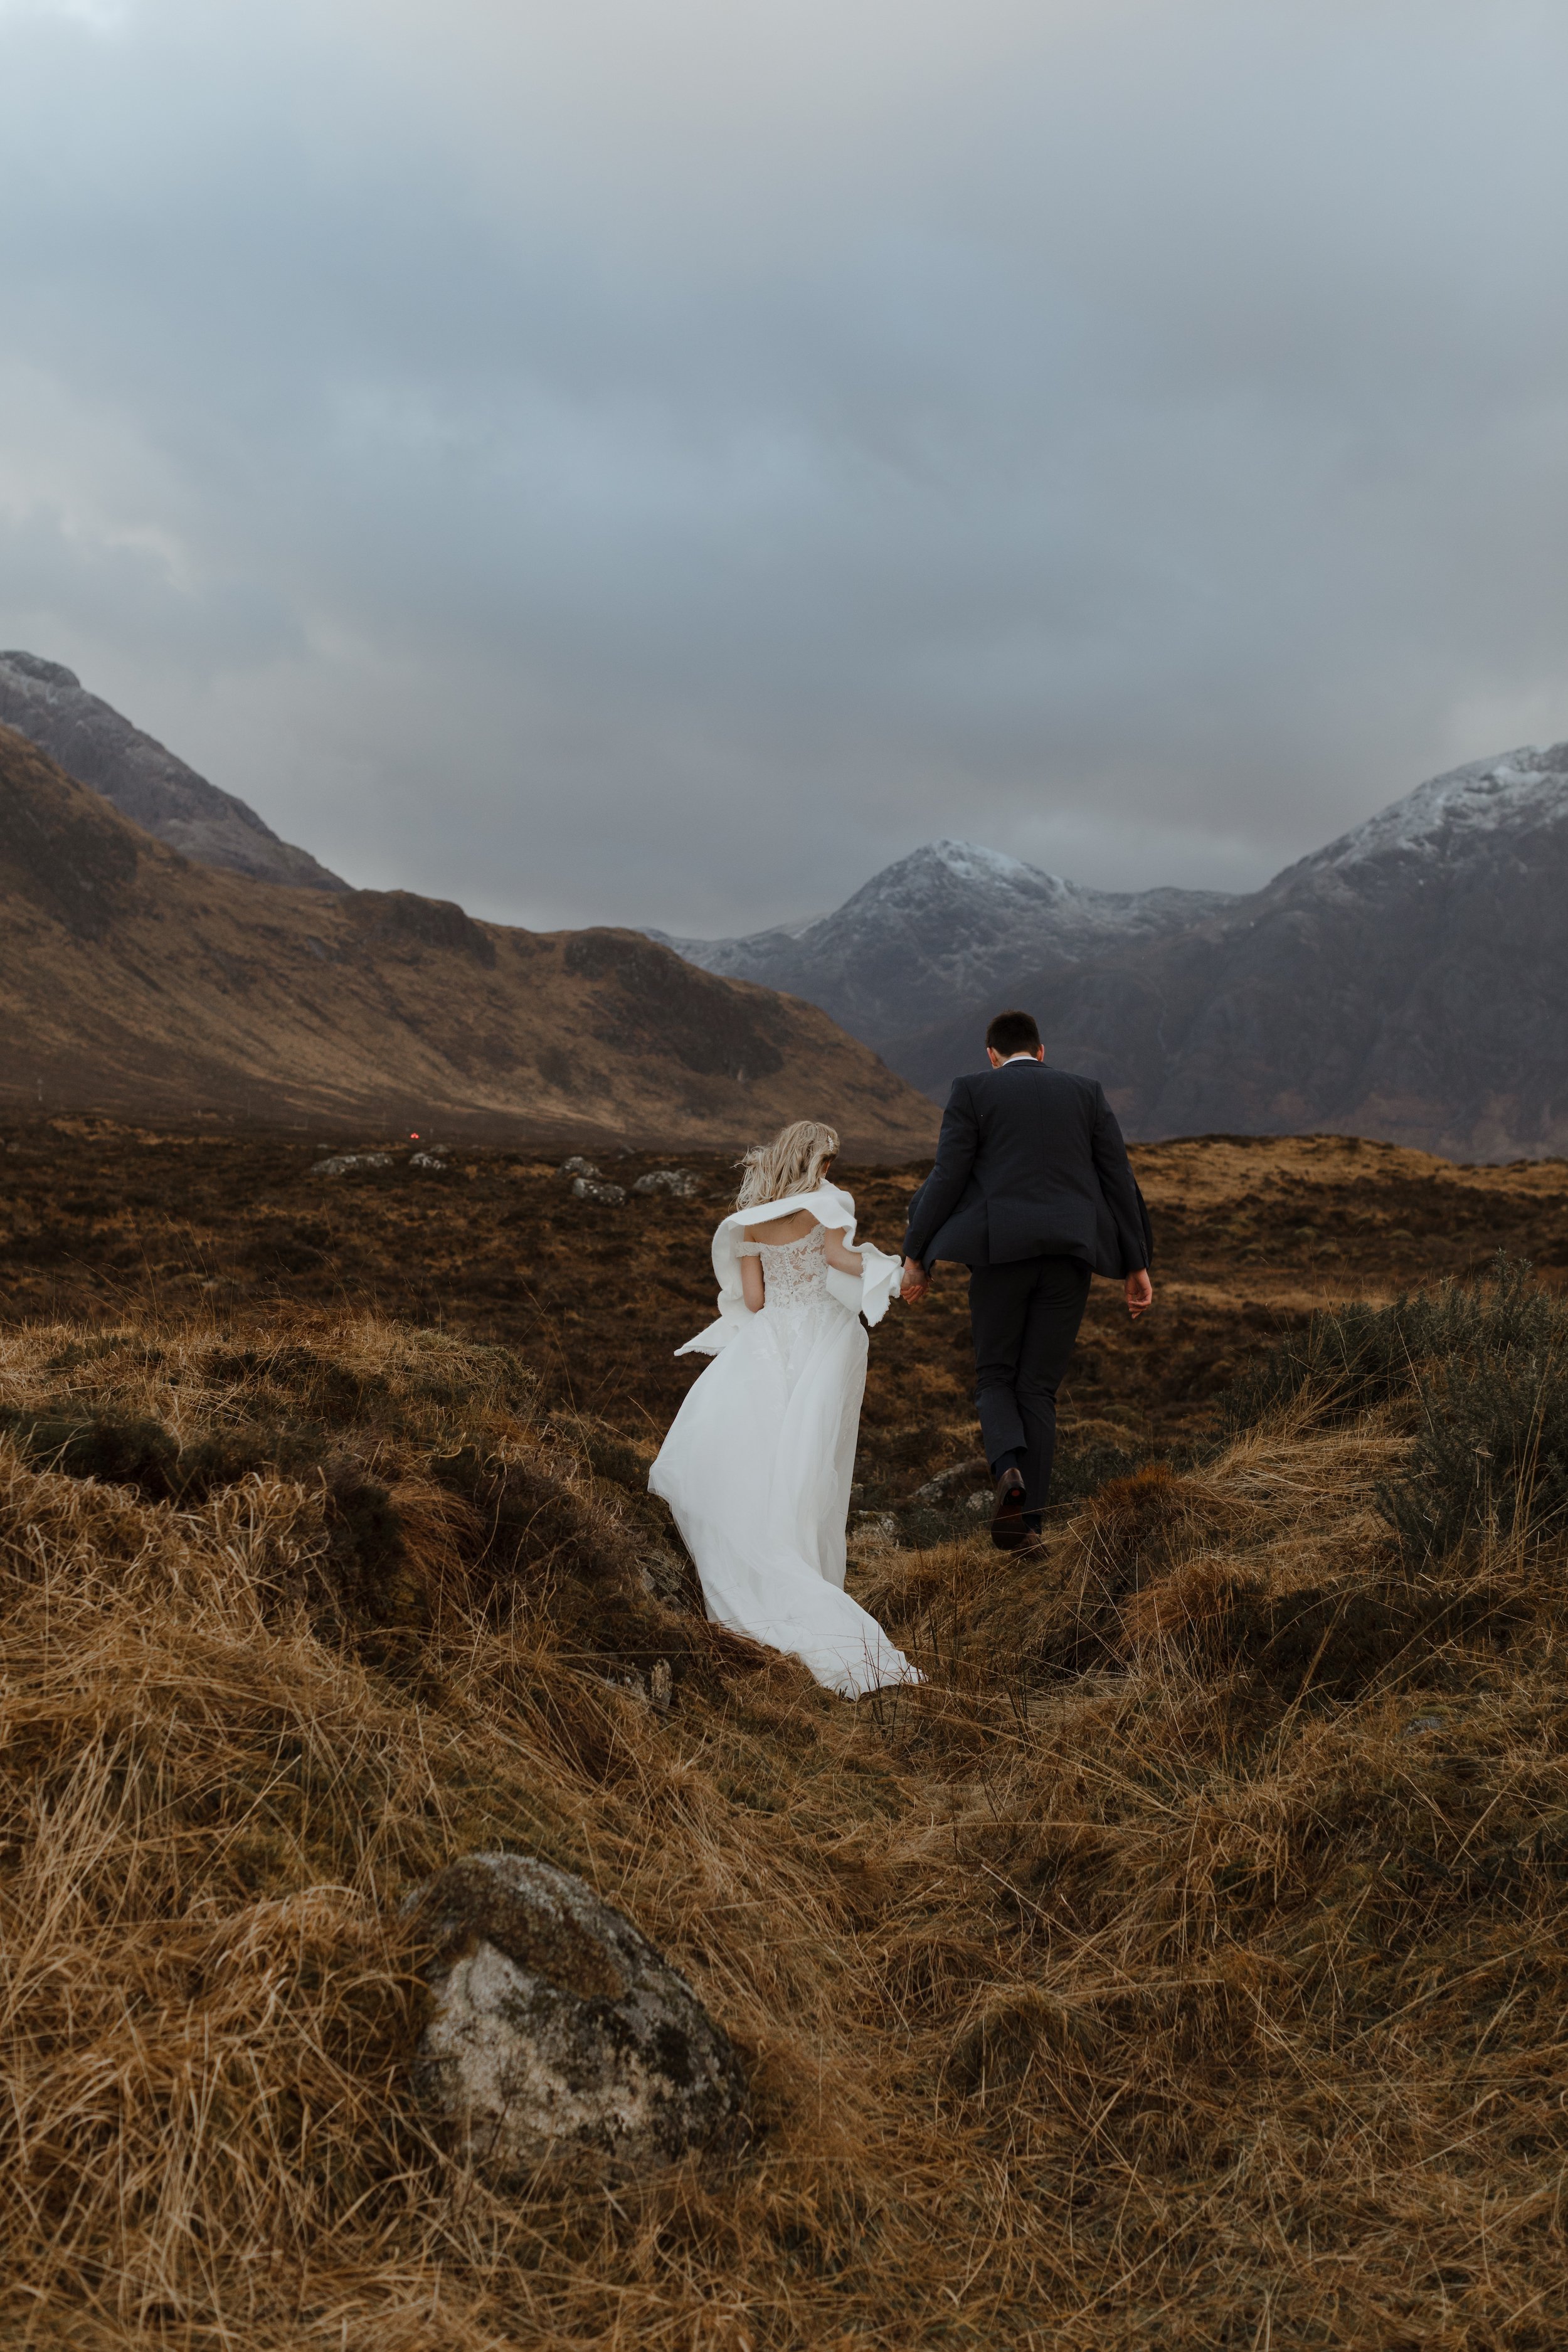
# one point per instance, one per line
(1007, 1511)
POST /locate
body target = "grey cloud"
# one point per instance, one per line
(659, 464)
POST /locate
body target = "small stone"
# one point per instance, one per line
(678, 1182)
(876, 1528)
(947, 1483)
(576, 1166)
(341, 1163)
(557, 2025)
(604, 1196)
(430, 1160)
(670, 1577)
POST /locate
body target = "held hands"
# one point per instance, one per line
(915, 1283)
(1139, 1291)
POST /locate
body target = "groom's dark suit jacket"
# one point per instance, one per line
(1030, 1163)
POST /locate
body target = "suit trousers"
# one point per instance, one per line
(1023, 1318)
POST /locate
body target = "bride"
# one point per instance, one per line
(758, 1461)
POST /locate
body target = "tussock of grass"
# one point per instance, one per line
(1355, 1356)
(1180, 1966)
(1481, 1371)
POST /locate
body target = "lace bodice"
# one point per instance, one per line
(796, 1273)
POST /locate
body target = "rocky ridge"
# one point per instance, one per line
(92, 741)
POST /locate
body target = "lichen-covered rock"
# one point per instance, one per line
(604, 1196)
(680, 1183)
(557, 2025)
(343, 1161)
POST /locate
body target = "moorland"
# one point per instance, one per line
(1181, 1965)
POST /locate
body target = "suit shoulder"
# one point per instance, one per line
(1089, 1088)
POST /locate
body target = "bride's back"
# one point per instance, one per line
(780, 1231)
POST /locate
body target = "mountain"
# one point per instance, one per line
(949, 925)
(90, 740)
(136, 982)
(1409, 981)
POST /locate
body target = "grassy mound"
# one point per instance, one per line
(1478, 1371)
(1180, 1966)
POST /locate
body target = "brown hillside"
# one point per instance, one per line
(134, 982)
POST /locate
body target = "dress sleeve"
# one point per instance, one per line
(868, 1292)
(748, 1249)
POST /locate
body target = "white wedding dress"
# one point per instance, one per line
(758, 1461)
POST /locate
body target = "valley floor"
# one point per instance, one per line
(1181, 1967)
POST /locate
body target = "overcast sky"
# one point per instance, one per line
(658, 460)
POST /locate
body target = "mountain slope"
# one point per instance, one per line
(1408, 982)
(49, 705)
(952, 923)
(134, 982)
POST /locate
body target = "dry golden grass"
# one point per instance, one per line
(1181, 1967)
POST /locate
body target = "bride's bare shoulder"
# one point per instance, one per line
(776, 1232)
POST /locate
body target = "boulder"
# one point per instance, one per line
(948, 1485)
(680, 1183)
(555, 2026)
(343, 1161)
(576, 1166)
(605, 1196)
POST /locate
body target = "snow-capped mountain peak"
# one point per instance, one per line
(987, 883)
(972, 862)
(949, 924)
(1406, 981)
(1441, 818)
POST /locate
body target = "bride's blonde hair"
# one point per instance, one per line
(793, 1162)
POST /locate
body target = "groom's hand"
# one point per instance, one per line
(1140, 1293)
(915, 1283)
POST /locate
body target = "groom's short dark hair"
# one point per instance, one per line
(1012, 1032)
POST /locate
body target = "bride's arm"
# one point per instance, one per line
(754, 1288)
(847, 1261)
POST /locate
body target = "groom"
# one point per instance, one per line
(1031, 1190)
